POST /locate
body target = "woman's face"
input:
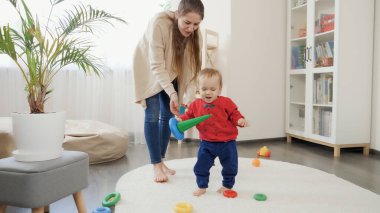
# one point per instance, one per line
(188, 23)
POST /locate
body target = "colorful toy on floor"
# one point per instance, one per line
(230, 193)
(111, 199)
(264, 152)
(256, 162)
(102, 210)
(183, 207)
(260, 197)
(178, 128)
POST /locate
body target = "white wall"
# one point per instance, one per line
(256, 75)
(218, 18)
(375, 131)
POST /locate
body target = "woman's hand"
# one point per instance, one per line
(174, 106)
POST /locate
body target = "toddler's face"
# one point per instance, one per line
(209, 88)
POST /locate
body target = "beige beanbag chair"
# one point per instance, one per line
(6, 139)
(101, 141)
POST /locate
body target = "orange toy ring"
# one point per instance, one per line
(183, 207)
(230, 193)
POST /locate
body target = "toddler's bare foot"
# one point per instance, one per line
(199, 192)
(159, 175)
(167, 170)
(222, 189)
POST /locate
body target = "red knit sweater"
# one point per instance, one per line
(221, 126)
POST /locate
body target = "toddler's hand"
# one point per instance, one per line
(242, 122)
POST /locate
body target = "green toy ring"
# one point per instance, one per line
(260, 197)
(111, 199)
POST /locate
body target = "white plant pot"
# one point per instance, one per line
(38, 137)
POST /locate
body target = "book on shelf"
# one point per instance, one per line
(329, 52)
(324, 54)
(322, 119)
(323, 89)
(298, 57)
(325, 23)
(331, 46)
(294, 57)
(328, 94)
(317, 26)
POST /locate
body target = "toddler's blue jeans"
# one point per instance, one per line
(228, 158)
(156, 125)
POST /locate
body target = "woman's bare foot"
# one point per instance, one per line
(222, 189)
(199, 192)
(159, 174)
(166, 170)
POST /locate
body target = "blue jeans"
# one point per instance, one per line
(156, 126)
(228, 158)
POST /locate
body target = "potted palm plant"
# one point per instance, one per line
(40, 52)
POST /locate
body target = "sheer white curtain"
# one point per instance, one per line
(108, 99)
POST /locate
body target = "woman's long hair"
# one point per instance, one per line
(180, 43)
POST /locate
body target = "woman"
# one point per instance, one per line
(166, 63)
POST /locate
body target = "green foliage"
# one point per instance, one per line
(40, 53)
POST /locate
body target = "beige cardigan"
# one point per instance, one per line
(152, 63)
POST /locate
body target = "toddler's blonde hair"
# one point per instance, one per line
(209, 73)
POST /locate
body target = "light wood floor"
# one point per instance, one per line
(351, 166)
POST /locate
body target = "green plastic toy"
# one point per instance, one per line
(178, 128)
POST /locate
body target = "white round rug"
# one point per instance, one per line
(288, 187)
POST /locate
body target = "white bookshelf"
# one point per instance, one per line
(329, 72)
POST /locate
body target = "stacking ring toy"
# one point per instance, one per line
(260, 197)
(177, 133)
(183, 207)
(102, 210)
(256, 162)
(111, 199)
(178, 128)
(230, 193)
